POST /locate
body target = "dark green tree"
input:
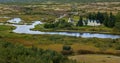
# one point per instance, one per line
(100, 17)
(94, 16)
(90, 16)
(111, 21)
(105, 22)
(80, 22)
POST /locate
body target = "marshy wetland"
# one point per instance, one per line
(60, 33)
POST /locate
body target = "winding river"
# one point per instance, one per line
(26, 29)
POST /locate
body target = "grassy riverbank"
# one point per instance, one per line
(90, 29)
(56, 42)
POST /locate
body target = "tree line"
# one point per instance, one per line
(106, 19)
(109, 20)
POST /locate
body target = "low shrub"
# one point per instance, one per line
(67, 47)
(10, 53)
(67, 50)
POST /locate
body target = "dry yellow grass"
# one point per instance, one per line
(56, 47)
(75, 47)
(4, 19)
(96, 58)
(21, 41)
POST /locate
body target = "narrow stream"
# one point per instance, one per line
(26, 29)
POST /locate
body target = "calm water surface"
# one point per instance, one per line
(26, 29)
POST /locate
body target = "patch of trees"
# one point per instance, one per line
(97, 16)
(107, 19)
(104, 18)
(59, 24)
(10, 53)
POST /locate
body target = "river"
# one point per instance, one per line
(26, 29)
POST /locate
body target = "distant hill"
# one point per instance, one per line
(58, 1)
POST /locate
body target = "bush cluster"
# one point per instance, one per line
(10, 53)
